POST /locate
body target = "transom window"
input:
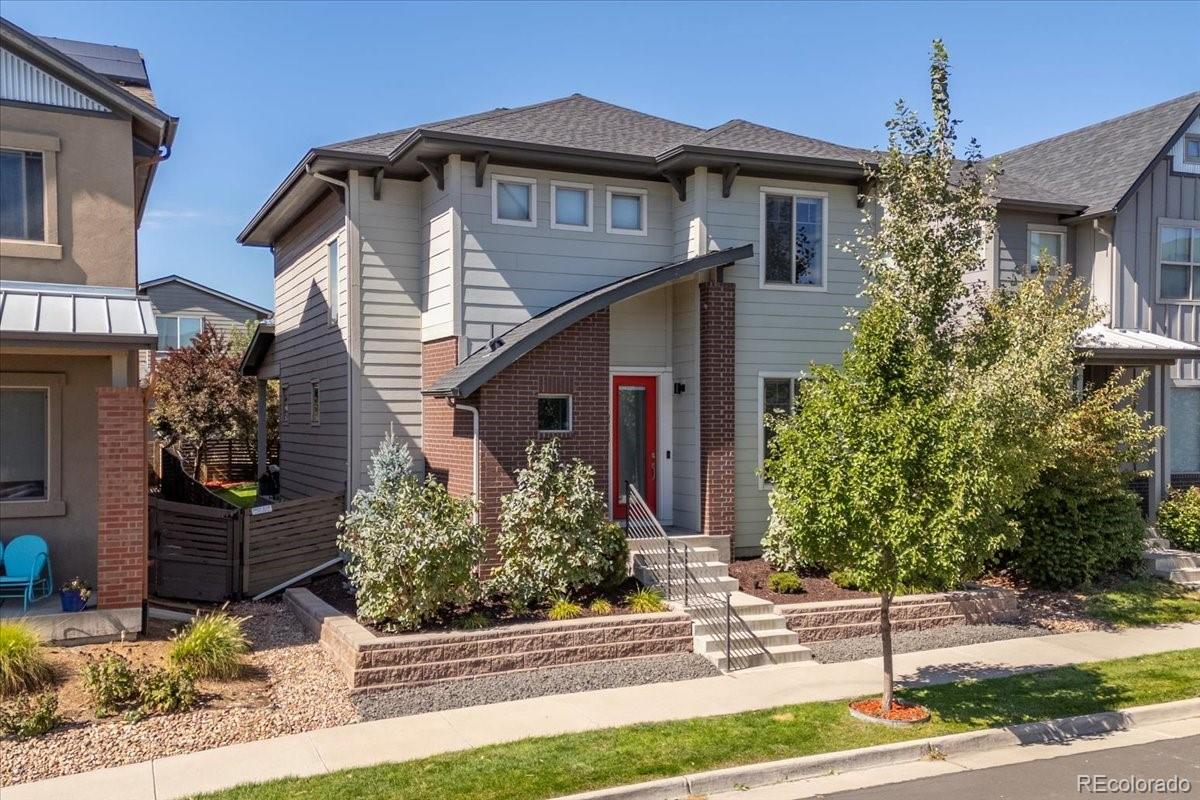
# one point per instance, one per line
(1179, 262)
(1184, 428)
(25, 462)
(1047, 242)
(570, 206)
(794, 239)
(22, 193)
(175, 331)
(627, 211)
(554, 413)
(514, 201)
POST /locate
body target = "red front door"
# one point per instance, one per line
(635, 440)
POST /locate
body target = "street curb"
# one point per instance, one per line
(791, 769)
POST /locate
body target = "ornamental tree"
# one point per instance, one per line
(200, 394)
(899, 467)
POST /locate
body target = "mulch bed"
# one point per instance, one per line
(752, 575)
(900, 711)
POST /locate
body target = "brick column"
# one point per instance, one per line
(121, 505)
(716, 409)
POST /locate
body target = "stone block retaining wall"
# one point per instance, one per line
(383, 662)
(845, 619)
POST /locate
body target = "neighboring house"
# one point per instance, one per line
(181, 307)
(80, 141)
(642, 289)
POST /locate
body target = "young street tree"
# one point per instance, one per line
(898, 468)
(200, 395)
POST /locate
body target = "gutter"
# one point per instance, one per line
(474, 451)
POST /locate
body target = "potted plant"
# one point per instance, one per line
(75, 594)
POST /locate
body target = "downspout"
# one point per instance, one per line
(474, 452)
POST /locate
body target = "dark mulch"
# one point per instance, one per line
(333, 590)
(752, 575)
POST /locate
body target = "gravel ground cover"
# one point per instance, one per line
(291, 686)
(522, 685)
(913, 641)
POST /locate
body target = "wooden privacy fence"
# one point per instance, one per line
(208, 554)
(229, 460)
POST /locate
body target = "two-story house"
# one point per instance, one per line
(642, 289)
(80, 142)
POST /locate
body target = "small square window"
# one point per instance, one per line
(514, 201)
(554, 413)
(1049, 243)
(1191, 149)
(570, 206)
(627, 211)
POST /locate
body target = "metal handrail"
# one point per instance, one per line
(642, 524)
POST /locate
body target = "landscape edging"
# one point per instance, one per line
(803, 767)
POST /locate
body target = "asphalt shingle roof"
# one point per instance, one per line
(1097, 165)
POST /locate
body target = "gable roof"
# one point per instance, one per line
(488, 361)
(200, 287)
(1099, 166)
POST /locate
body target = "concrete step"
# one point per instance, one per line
(1157, 543)
(787, 654)
(1179, 559)
(659, 553)
(1187, 577)
(707, 585)
(715, 643)
(702, 569)
(714, 623)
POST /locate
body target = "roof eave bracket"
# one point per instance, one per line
(481, 162)
(377, 184)
(678, 183)
(728, 173)
(436, 167)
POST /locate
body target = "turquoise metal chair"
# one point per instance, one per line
(26, 570)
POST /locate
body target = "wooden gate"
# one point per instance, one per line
(194, 551)
(284, 540)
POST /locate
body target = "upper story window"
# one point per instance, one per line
(627, 210)
(1046, 240)
(514, 201)
(1179, 262)
(1191, 148)
(175, 331)
(570, 206)
(22, 196)
(794, 248)
(332, 257)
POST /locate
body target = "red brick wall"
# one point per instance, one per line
(716, 409)
(446, 434)
(121, 534)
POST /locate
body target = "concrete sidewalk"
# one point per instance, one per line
(423, 735)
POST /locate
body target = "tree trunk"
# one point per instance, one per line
(885, 631)
(197, 461)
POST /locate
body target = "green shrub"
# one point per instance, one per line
(1179, 518)
(211, 646)
(23, 665)
(785, 583)
(555, 538)
(30, 716)
(167, 690)
(1081, 522)
(413, 548)
(645, 601)
(475, 621)
(112, 683)
(563, 609)
(601, 607)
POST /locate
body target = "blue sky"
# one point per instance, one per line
(257, 84)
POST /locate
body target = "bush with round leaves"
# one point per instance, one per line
(555, 537)
(413, 548)
(1179, 518)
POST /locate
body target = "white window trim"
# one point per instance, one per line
(609, 191)
(1158, 262)
(333, 255)
(762, 241)
(1055, 230)
(570, 412)
(52, 505)
(49, 146)
(314, 408)
(1187, 138)
(794, 376)
(522, 223)
(177, 318)
(591, 212)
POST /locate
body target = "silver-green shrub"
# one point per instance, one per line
(413, 548)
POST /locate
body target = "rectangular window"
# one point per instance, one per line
(1191, 148)
(175, 331)
(554, 413)
(332, 256)
(24, 459)
(22, 206)
(1184, 429)
(285, 416)
(1050, 243)
(314, 403)
(1179, 262)
(794, 233)
(570, 206)
(627, 211)
(777, 395)
(514, 201)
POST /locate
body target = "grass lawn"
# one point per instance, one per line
(533, 769)
(241, 495)
(1145, 601)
